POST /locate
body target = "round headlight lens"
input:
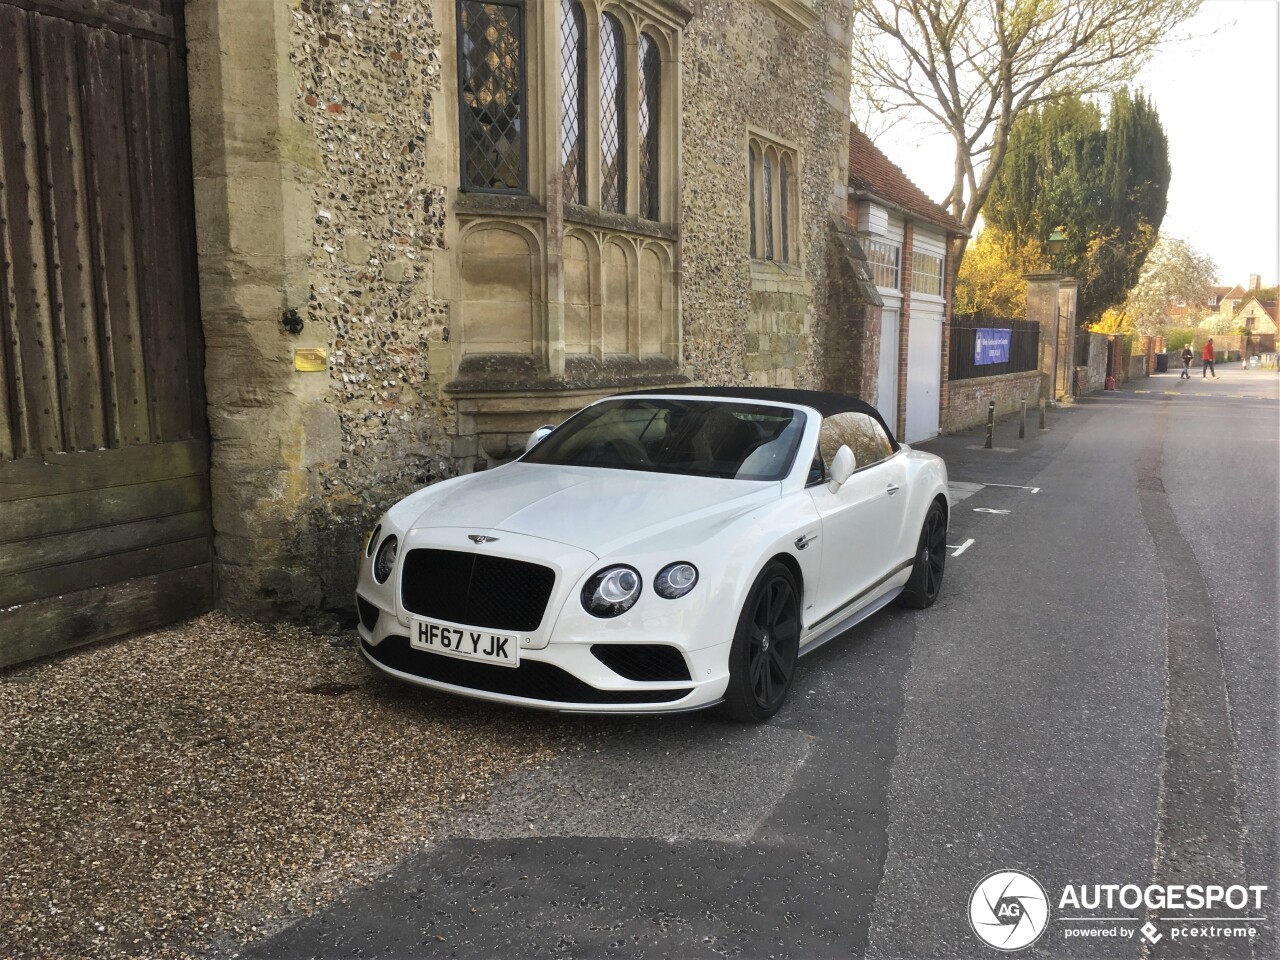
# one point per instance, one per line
(611, 592)
(675, 580)
(373, 541)
(385, 561)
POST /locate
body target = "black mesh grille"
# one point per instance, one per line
(475, 589)
(368, 613)
(533, 679)
(642, 661)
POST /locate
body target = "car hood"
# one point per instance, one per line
(600, 510)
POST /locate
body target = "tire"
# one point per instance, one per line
(762, 660)
(925, 583)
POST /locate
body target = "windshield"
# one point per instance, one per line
(700, 438)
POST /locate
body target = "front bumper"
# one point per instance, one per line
(546, 680)
(558, 669)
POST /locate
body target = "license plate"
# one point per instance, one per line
(465, 643)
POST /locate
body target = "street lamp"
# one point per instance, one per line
(1057, 243)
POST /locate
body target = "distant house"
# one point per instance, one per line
(1256, 316)
(906, 237)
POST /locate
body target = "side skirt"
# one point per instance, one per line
(850, 621)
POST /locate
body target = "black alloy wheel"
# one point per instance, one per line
(762, 660)
(925, 583)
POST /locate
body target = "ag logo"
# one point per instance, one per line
(1008, 910)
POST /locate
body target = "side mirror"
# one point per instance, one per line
(537, 437)
(842, 466)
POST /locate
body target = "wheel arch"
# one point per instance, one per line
(792, 564)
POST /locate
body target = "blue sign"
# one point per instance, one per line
(991, 346)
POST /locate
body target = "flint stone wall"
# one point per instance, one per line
(321, 149)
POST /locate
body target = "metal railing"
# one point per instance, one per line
(988, 347)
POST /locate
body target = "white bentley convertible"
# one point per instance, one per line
(658, 551)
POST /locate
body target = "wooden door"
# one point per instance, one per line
(104, 503)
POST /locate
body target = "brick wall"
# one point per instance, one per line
(969, 398)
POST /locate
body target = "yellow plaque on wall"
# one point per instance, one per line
(311, 359)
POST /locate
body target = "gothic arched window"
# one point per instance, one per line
(573, 101)
(613, 115)
(650, 127)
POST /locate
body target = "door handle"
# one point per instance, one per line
(893, 488)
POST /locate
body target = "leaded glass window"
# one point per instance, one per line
(771, 185)
(491, 89)
(573, 101)
(768, 206)
(784, 186)
(613, 116)
(650, 91)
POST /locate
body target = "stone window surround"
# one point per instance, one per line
(759, 143)
(545, 220)
(663, 25)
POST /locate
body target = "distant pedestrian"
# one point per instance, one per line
(1207, 358)
(1187, 357)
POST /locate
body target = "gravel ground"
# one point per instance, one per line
(197, 787)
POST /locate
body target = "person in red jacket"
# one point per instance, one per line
(1207, 358)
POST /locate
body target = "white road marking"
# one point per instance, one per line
(1016, 486)
(962, 548)
(977, 446)
(989, 510)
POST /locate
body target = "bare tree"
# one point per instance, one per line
(972, 66)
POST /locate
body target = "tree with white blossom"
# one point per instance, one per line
(1174, 273)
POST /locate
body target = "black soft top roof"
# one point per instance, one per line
(824, 402)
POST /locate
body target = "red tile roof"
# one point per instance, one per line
(873, 176)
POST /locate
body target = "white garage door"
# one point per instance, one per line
(924, 374)
(887, 378)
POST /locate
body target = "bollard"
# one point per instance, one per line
(1042, 426)
(1022, 424)
(991, 422)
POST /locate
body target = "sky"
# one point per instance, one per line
(1216, 94)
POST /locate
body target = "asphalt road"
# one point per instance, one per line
(1092, 701)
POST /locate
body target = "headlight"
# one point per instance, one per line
(611, 592)
(373, 540)
(675, 580)
(385, 561)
